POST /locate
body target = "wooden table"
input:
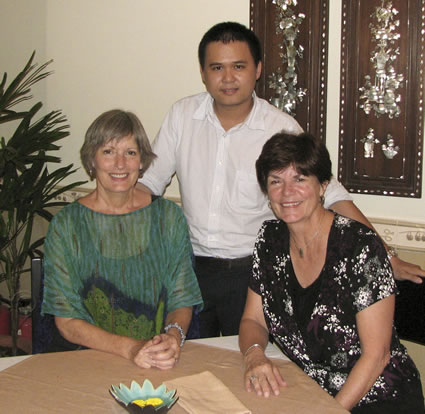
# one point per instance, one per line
(78, 381)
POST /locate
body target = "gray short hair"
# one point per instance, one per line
(115, 124)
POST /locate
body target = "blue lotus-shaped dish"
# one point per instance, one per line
(126, 397)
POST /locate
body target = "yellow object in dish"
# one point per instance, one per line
(149, 401)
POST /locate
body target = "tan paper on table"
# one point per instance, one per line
(79, 382)
(204, 393)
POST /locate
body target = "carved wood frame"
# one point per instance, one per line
(378, 175)
(312, 69)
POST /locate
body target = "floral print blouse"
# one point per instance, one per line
(356, 274)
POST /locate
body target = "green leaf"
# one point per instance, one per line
(27, 187)
(19, 89)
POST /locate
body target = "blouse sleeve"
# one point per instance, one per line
(183, 284)
(372, 276)
(61, 297)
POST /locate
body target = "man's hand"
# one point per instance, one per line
(407, 271)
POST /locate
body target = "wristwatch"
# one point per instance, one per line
(391, 252)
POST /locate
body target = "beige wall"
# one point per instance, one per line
(22, 30)
(141, 55)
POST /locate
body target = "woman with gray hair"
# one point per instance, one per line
(118, 269)
(322, 286)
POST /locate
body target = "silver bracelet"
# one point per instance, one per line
(391, 252)
(251, 347)
(179, 328)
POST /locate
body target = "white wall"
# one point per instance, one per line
(141, 55)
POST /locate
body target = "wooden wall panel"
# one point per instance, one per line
(358, 171)
(311, 68)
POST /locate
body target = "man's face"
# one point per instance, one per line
(230, 74)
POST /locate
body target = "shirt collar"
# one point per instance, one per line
(205, 108)
(255, 119)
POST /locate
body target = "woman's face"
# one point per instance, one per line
(117, 165)
(293, 196)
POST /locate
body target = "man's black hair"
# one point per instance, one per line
(227, 32)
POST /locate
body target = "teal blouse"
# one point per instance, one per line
(123, 273)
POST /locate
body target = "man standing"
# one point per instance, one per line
(211, 141)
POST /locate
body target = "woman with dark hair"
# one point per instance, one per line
(322, 287)
(118, 268)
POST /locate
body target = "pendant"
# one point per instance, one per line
(301, 251)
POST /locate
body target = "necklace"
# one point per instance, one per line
(300, 249)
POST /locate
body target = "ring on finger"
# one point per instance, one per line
(253, 377)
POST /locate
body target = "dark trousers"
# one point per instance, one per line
(223, 284)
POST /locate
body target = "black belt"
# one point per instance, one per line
(220, 263)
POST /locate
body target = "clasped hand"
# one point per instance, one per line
(261, 375)
(162, 351)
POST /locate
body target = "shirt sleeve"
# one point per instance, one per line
(335, 192)
(160, 172)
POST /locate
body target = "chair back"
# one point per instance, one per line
(42, 326)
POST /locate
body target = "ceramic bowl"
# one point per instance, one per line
(145, 399)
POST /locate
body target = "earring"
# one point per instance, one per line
(140, 173)
(322, 200)
(269, 205)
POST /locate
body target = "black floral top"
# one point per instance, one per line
(356, 274)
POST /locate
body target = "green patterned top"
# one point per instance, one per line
(123, 272)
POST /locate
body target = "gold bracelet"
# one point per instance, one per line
(251, 347)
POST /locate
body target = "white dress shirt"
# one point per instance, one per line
(221, 198)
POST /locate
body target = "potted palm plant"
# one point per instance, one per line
(27, 187)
